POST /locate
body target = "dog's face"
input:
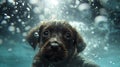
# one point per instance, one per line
(57, 40)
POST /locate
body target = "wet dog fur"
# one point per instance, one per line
(59, 45)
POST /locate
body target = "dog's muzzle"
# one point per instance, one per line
(54, 52)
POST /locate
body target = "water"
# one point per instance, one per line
(98, 23)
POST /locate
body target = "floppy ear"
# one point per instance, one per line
(80, 43)
(33, 37)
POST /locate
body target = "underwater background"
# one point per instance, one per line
(98, 21)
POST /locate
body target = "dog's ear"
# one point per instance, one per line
(33, 37)
(80, 43)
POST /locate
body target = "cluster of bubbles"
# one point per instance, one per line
(55, 9)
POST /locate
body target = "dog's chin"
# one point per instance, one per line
(55, 57)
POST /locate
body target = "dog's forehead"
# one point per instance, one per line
(57, 25)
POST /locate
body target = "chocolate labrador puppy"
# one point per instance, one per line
(59, 45)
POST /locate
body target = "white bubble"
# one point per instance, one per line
(118, 7)
(11, 1)
(105, 48)
(28, 16)
(99, 19)
(53, 2)
(4, 22)
(23, 4)
(16, 11)
(19, 20)
(27, 27)
(12, 14)
(7, 17)
(15, 6)
(111, 62)
(85, 53)
(24, 34)
(11, 28)
(28, 9)
(95, 46)
(18, 30)
(67, 12)
(10, 49)
(23, 40)
(36, 10)
(23, 23)
(99, 58)
(33, 1)
(84, 6)
(77, 2)
(1, 41)
(12, 24)
(101, 22)
(92, 32)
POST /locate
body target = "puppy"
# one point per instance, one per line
(59, 44)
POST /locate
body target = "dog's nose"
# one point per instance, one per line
(54, 46)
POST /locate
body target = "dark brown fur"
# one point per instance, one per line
(59, 44)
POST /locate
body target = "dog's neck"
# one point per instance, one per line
(69, 62)
(66, 63)
(41, 62)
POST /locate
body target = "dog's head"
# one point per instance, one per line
(57, 40)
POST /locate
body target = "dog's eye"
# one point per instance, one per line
(67, 35)
(46, 33)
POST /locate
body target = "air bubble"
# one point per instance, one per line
(11, 28)
(4, 22)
